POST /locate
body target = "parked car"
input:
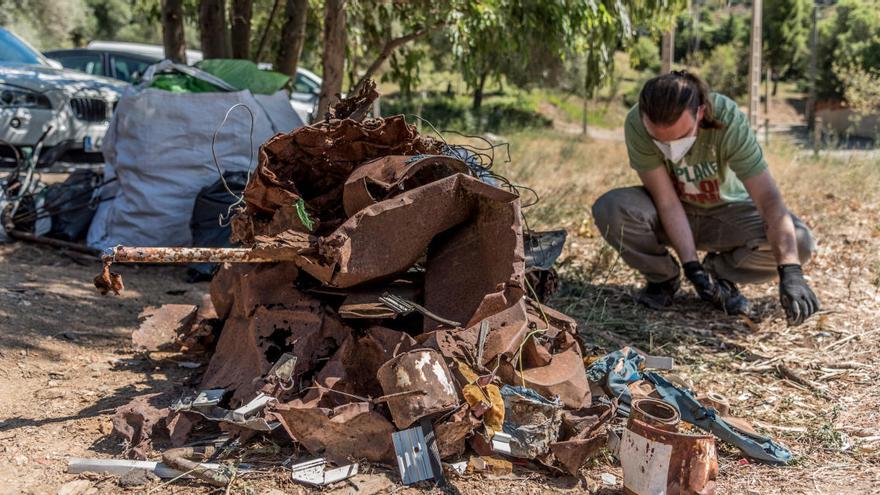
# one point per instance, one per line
(37, 94)
(128, 61)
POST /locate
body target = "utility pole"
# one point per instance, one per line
(667, 51)
(755, 63)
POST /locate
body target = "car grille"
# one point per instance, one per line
(89, 109)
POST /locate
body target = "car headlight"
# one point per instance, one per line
(15, 97)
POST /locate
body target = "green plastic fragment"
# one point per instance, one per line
(303, 215)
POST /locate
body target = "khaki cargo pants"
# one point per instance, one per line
(734, 235)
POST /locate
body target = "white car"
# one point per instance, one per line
(106, 57)
(37, 95)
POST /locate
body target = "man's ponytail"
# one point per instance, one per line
(664, 98)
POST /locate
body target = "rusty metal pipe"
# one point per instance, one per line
(122, 254)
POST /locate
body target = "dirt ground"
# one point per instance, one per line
(66, 360)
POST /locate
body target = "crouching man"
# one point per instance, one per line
(706, 187)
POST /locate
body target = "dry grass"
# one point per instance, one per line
(832, 422)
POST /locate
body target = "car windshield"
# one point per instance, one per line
(14, 50)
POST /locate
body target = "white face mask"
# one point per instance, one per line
(674, 151)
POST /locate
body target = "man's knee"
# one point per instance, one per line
(609, 211)
(806, 243)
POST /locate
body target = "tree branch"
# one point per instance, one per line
(388, 49)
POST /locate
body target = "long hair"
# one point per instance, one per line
(664, 98)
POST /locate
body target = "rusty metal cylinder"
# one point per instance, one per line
(656, 413)
(417, 384)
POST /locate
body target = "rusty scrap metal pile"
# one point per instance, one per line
(400, 318)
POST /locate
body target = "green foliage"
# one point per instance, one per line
(527, 41)
(645, 54)
(498, 115)
(695, 38)
(724, 70)
(786, 35)
(849, 37)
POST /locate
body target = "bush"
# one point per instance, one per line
(726, 70)
(645, 55)
(498, 115)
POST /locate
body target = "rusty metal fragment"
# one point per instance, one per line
(420, 384)
(162, 325)
(138, 422)
(108, 281)
(352, 431)
(562, 375)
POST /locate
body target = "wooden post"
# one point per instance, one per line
(667, 51)
(755, 63)
(812, 121)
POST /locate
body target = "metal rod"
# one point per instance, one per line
(122, 254)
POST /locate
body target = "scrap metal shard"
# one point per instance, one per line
(352, 431)
(162, 325)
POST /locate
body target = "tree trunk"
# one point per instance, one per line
(334, 54)
(293, 35)
(240, 27)
(265, 36)
(172, 31)
(478, 91)
(212, 26)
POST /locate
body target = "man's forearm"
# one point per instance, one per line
(677, 228)
(781, 234)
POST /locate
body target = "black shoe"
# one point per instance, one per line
(659, 295)
(730, 300)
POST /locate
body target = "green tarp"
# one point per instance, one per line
(244, 74)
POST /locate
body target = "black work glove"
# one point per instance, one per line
(795, 295)
(703, 283)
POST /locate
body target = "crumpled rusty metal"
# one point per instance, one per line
(352, 368)
(313, 162)
(388, 176)
(249, 346)
(138, 422)
(582, 434)
(557, 374)
(453, 432)
(417, 384)
(161, 326)
(348, 432)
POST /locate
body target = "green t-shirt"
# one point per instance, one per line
(711, 173)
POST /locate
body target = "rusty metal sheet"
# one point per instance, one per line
(237, 290)
(417, 384)
(477, 269)
(507, 329)
(348, 432)
(660, 461)
(563, 377)
(388, 176)
(249, 346)
(162, 325)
